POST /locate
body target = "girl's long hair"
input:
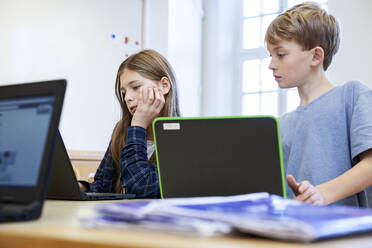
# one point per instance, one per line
(151, 65)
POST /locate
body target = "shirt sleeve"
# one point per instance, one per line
(104, 179)
(137, 175)
(361, 121)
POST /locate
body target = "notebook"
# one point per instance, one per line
(258, 214)
(218, 156)
(63, 184)
(29, 118)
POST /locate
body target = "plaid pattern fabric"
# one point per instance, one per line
(105, 177)
(137, 176)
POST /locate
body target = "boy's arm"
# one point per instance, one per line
(351, 182)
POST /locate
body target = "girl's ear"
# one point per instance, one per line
(165, 85)
(318, 56)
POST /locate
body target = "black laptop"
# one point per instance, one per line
(29, 118)
(218, 156)
(63, 184)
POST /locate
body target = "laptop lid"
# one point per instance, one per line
(218, 156)
(29, 118)
(63, 184)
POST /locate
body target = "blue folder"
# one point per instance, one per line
(259, 214)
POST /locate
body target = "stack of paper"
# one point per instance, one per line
(260, 214)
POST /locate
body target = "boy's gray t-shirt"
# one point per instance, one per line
(322, 140)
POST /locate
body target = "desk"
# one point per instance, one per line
(59, 227)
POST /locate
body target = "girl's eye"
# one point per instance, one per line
(281, 55)
(135, 87)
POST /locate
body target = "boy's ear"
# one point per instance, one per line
(318, 56)
(165, 85)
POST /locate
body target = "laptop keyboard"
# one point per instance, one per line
(108, 196)
(100, 194)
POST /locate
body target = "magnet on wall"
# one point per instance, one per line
(126, 40)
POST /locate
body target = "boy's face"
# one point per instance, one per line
(291, 65)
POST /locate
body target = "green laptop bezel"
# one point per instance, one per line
(221, 117)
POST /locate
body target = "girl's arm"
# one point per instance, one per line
(104, 178)
(138, 177)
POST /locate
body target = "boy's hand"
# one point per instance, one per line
(305, 191)
(150, 104)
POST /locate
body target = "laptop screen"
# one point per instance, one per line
(24, 125)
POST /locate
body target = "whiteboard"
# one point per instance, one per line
(83, 41)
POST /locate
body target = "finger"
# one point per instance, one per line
(313, 199)
(292, 183)
(145, 94)
(151, 95)
(159, 99)
(319, 202)
(303, 186)
(161, 106)
(156, 98)
(140, 96)
(307, 194)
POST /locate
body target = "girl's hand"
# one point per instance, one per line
(305, 191)
(82, 187)
(150, 104)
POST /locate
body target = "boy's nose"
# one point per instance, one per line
(272, 65)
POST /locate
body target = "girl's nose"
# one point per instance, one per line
(128, 97)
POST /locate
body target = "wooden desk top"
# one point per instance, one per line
(59, 226)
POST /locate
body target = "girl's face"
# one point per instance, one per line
(130, 85)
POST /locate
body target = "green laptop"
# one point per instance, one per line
(218, 156)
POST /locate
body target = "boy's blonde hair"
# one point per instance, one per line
(308, 25)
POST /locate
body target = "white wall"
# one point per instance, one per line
(49, 39)
(185, 51)
(156, 25)
(174, 28)
(353, 60)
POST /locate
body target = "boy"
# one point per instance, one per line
(327, 140)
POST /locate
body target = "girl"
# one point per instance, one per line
(146, 88)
